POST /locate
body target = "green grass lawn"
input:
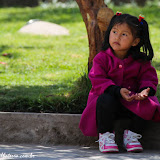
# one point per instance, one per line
(48, 73)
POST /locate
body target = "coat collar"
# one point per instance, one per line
(126, 60)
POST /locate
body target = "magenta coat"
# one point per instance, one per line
(109, 70)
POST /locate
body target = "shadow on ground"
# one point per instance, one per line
(37, 152)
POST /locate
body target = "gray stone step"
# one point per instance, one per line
(61, 152)
(53, 129)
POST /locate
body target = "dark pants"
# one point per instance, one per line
(109, 109)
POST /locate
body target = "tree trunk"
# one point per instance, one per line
(96, 16)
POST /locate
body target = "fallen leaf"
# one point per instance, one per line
(3, 63)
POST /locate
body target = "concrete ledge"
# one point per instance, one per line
(49, 128)
(42, 128)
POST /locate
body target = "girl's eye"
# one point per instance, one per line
(124, 34)
(114, 32)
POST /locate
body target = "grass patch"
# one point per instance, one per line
(48, 73)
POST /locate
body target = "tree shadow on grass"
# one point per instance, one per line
(156, 64)
(57, 98)
(45, 99)
(60, 15)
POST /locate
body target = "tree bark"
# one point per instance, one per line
(96, 16)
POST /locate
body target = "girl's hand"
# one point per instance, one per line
(142, 95)
(125, 93)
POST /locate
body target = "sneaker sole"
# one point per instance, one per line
(135, 149)
(109, 151)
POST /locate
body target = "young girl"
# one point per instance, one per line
(123, 84)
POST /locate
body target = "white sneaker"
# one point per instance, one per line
(107, 143)
(131, 143)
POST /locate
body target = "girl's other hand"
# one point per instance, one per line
(142, 95)
(125, 93)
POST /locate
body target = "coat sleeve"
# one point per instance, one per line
(98, 75)
(148, 76)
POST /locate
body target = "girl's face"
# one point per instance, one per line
(121, 39)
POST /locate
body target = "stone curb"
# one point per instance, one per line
(54, 129)
(42, 128)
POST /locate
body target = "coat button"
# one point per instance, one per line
(120, 66)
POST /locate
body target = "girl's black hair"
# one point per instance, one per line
(139, 30)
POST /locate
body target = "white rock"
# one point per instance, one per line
(38, 27)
